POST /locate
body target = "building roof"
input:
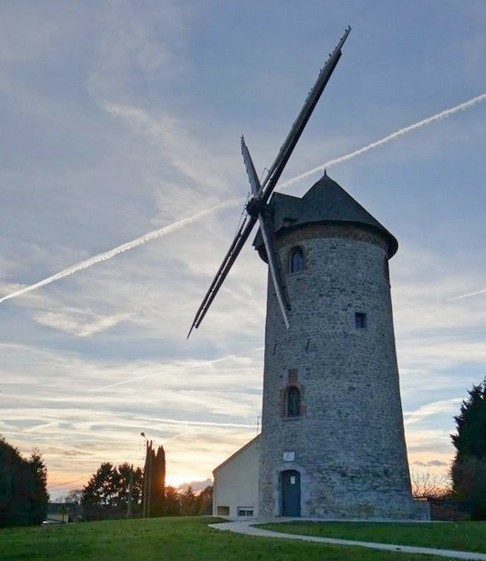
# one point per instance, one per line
(252, 442)
(326, 202)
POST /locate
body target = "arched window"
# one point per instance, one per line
(296, 261)
(292, 402)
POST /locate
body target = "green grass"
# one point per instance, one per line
(463, 536)
(163, 539)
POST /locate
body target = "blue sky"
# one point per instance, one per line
(122, 118)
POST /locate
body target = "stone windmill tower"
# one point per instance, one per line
(332, 440)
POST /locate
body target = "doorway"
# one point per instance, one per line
(290, 493)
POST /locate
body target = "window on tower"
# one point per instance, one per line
(296, 260)
(292, 402)
(360, 320)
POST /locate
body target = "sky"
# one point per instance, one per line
(121, 168)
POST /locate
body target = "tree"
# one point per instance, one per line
(426, 485)
(74, 496)
(113, 492)
(469, 466)
(154, 481)
(188, 502)
(38, 487)
(23, 491)
(172, 503)
(205, 501)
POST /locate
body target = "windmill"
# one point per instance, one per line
(257, 209)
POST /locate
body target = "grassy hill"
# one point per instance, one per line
(168, 539)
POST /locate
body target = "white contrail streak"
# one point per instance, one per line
(235, 202)
(149, 236)
(468, 294)
(199, 364)
(437, 117)
(196, 423)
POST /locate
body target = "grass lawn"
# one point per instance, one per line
(463, 536)
(174, 539)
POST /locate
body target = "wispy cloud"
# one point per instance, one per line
(79, 323)
(178, 368)
(448, 406)
(431, 463)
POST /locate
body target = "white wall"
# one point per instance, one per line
(236, 481)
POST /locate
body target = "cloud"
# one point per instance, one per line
(79, 323)
(431, 463)
(192, 159)
(448, 406)
(200, 365)
(134, 47)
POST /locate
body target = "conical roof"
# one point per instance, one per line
(326, 202)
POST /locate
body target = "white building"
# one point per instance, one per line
(235, 491)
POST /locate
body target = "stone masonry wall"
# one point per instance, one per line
(348, 443)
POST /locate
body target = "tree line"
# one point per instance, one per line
(125, 491)
(117, 492)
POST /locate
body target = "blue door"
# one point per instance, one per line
(290, 491)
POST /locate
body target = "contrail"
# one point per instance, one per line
(124, 247)
(199, 364)
(235, 202)
(196, 423)
(437, 117)
(468, 294)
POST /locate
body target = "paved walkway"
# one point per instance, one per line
(246, 527)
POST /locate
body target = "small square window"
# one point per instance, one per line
(223, 510)
(245, 511)
(360, 320)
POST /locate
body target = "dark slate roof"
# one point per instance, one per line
(326, 202)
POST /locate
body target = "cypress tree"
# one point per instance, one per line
(469, 465)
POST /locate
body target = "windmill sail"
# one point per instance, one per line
(262, 193)
(290, 142)
(272, 255)
(239, 241)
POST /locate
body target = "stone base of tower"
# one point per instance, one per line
(345, 504)
(409, 510)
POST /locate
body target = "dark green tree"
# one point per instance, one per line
(113, 492)
(38, 488)
(158, 483)
(204, 501)
(154, 481)
(23, 492)
(469, 466)
(172, 502)
(188, 502)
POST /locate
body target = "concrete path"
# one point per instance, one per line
(246, 527)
